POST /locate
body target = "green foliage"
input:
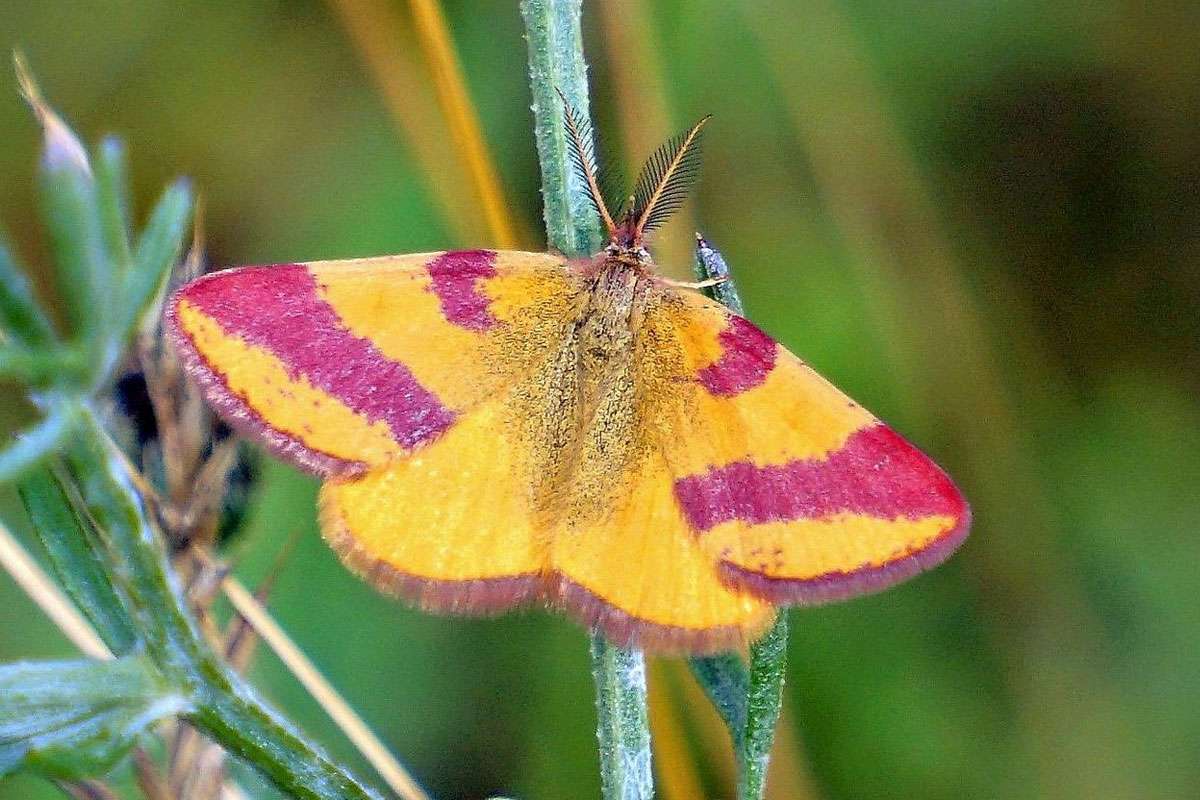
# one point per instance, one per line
(75, 719)
(21, 318)
(105, 290)
(71, 720)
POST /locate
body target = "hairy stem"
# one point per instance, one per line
(556, 67)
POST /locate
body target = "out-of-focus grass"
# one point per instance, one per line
(1053, 146)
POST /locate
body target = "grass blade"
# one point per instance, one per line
(463, 120)
(726, 681)
(764, 702)
(112, 198)
(157, 252)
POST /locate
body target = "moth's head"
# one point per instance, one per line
(662, 185)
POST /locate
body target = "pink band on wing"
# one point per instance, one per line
(748, 356)
(280, 309)
(875, 473)
(454, 277)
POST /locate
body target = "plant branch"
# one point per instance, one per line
(556, 65)
(224, 706)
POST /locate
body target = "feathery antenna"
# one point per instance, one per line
(663, 183)
(582, 150)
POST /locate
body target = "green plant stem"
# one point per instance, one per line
(556, 64)
(768, 668)
(749, 701)
(623, 730)
(230, 712)
(112, 501)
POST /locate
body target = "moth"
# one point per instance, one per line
(497, 429)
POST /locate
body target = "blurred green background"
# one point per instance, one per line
(978, 218)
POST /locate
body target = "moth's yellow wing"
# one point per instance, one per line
(798, 493)
(755, 483)
(387, 376)
(449, 527)
(636, 572)
(340, 366)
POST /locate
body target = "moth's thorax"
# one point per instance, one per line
(585, 412)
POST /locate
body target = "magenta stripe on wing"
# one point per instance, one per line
(454, 277)
(747, 357)
(280, 309)
(875, 473)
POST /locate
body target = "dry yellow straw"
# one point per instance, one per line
(677, 776)
(45, 593)
(464, 122)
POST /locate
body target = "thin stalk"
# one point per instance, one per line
(623, 728)
(556, 64)
(552, 28)
(44, 592)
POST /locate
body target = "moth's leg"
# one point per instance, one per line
(696, 284)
